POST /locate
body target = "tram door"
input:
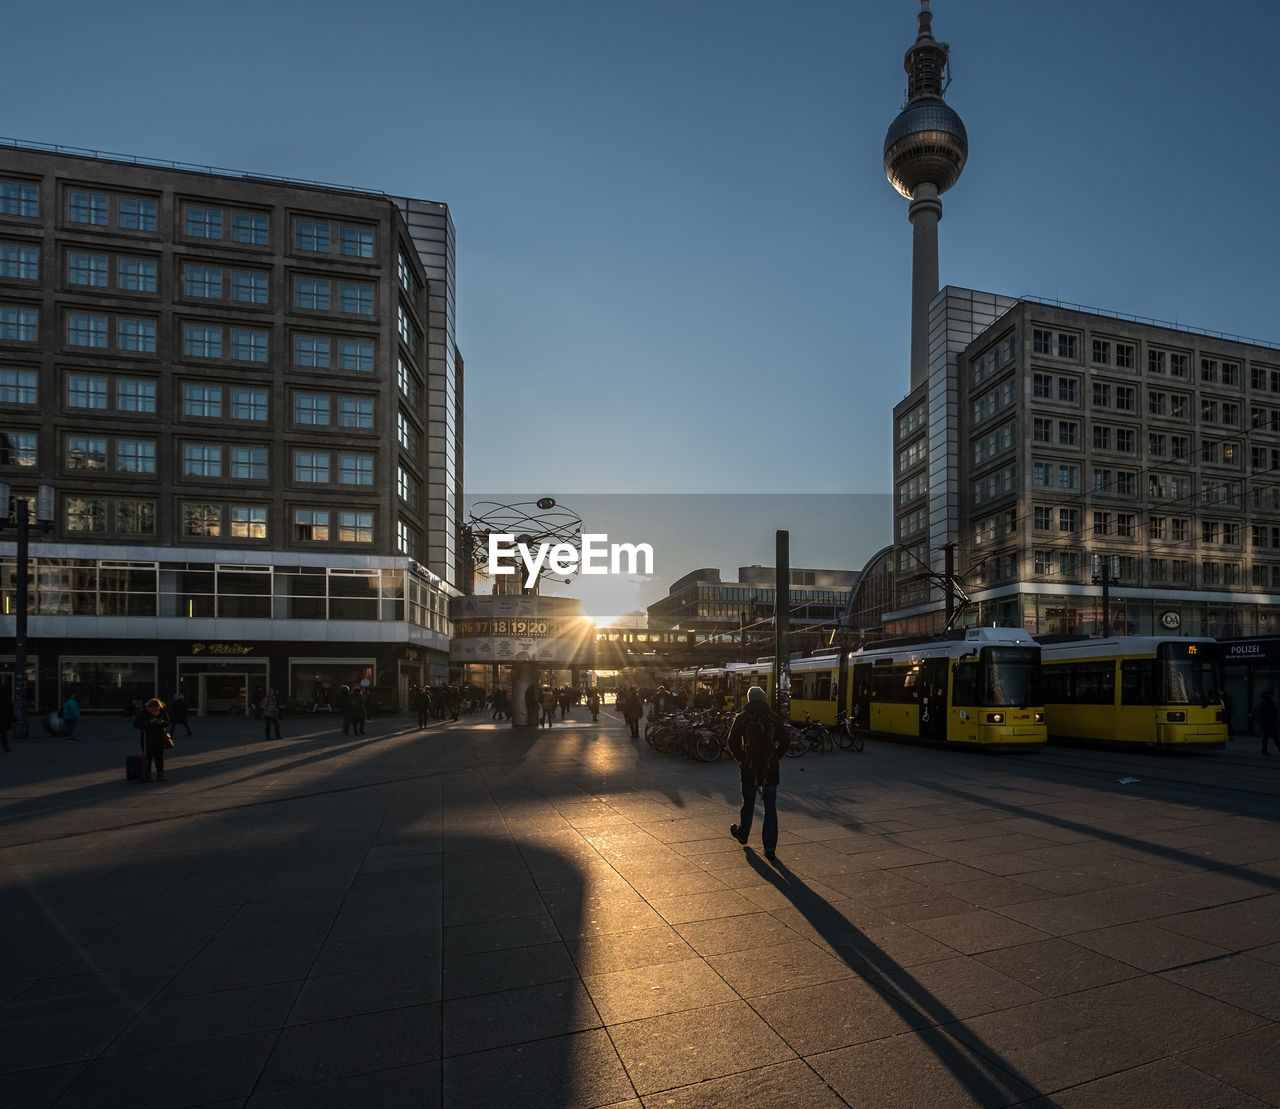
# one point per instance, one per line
(860, 697)
(933, 698)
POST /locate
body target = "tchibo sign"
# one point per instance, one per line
(597, 556)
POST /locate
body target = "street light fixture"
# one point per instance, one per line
(18, 509)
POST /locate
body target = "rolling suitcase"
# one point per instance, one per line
(135, 768)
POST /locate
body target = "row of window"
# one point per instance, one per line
(94, 208)
(133, 335)
(129, 455)
(1225, 533)
(995, 356)
(137, 517)
(105, 393)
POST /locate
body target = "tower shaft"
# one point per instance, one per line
(924, 212)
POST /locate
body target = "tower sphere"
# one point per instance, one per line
(926, 144)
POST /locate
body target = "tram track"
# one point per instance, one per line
(1198, 771)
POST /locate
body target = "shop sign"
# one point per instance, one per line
(1171, 619)
(220, 649)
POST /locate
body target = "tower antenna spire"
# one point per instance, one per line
(924, 153)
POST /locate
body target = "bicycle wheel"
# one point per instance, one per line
(706, 746)
(797, 745)
(857, 742)
(844, 737)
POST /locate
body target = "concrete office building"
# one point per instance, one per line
(1058, 453)
(246, 396)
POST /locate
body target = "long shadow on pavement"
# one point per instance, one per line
(984, 1074)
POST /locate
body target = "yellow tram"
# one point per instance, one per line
(1134, 690)
(982, 690)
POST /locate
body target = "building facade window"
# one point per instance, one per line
(19, 199)
(136, 456)
(311, 235)
(253, 228)
(201, 341)
(85, 330)
(136, 275)
(19, 386)
(88, 208)
(18, 448)
(355, 527)
(311, 525)
(311, 409)
(311, 351)
(249, 463)
(311, 467)
(86, 391)
(85, 514)
(356, 355)
(136, 335)
(355, 412)
(201, 460)
(248, 522)
(202, 281)
(19, 325)
(202, 222)
(311, 293)
(249, 345)
(355, 298)
(202, 520)
(355, 469)
(86, 452)
(137, 213)
(202, 401)
(249, 404)
(19, 262)
(249, 286)
(355, 242)
(134, 395)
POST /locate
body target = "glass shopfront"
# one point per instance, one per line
(314, 682)
(108, 684)
(222, 687)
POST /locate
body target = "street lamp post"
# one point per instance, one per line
(21, 511)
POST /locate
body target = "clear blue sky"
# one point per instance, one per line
(674, 231)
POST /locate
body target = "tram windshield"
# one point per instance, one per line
(1011, 677)
(1187, 673)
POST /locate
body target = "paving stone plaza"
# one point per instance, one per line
(474, 916)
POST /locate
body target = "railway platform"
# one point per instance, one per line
(471, 915)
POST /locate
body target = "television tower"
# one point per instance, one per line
(924, 152)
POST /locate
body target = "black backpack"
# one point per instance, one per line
(758, 747)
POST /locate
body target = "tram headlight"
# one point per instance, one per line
(995, 718)
(1176, 717)
(1039, 718)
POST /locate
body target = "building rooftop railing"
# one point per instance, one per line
(1053, 302)
(189, 167)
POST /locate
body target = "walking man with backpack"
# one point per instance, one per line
(758, 741)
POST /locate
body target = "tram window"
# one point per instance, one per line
(1138, 685)
(1012, 676)
(894, 685)
(798, 688)
(823, 690)
(964, 686)
(1057, 684)
(1093, 683)
(1187, 673)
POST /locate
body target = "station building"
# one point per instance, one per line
(736, 617)
(246, 398)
